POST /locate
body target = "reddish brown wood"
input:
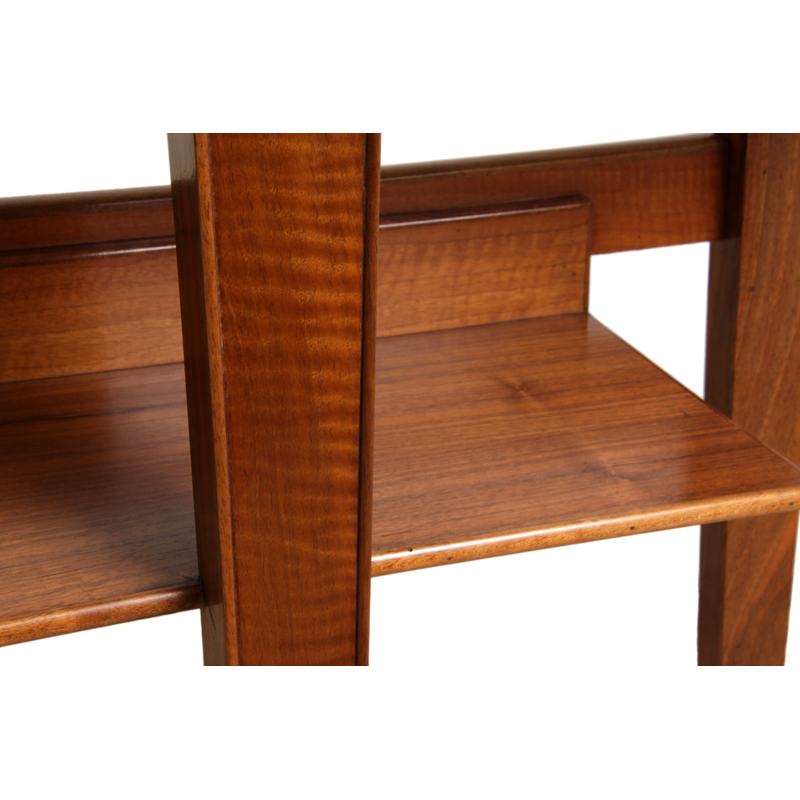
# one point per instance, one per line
(447, 270)
(192, 220)
(96, 307)
(537, 433)
(104, 303)
(85, 217)
(273, 246)
(644, 194)
(491, 440)
(753, 350)
(88, 308)
(96, 519)
(367, 420)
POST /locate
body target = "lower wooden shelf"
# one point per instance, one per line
(489, 440)
(524, 435)
(96, 519)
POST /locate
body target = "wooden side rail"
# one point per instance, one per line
(648, 193)
(89, 281)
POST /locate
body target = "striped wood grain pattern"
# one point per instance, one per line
(441, 270)
(88, 308)
(89, 289)
(275, 250)
(647, 193)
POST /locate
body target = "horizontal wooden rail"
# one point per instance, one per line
(87, 308)
(649, 193)
(86, 218)
(88, 282)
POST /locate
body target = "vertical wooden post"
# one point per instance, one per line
(277, 248)
(753, 351)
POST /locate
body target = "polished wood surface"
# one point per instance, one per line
(96, 521)
(106, 306)
(88, 308)
(489, 440)
(85, 217)
(449, 270)
(753, 351)
(273, 247)
(103, 267)
(475, 441)
(523, 435)
(644, 194)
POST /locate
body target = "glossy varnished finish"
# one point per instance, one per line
(115, 305)
(484, 434)
(477, 449)
(273, 245)
(96, 521)
(523, 435)
(115, 273)
(644, 194)
(85, 217)
(441, 270)
(88, 308)
(753, 352)
(647, 193)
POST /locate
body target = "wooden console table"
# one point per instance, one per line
(385, 371)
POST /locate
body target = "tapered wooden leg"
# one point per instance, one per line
(277, 246)
(752, 375)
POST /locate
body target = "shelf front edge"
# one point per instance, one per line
(774, 502)
(169, 600)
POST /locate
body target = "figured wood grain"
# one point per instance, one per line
(273, 246)
(85, 217)
(646, 193)
(649, 193)
(79, 309)
(96, 523)
(489, 440)
(753, 349)
(107, 306)
(448, 270)
(537, 433)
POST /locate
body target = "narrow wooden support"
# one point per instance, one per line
(277, 247)
(751, 375)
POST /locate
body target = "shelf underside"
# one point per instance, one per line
(489, 440)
